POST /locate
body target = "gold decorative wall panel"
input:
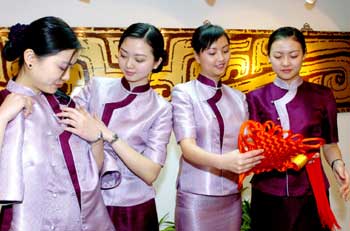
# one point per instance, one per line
(327, 61)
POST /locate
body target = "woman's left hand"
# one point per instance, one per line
(81, 123)
(342, 176)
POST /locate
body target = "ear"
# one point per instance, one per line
(29, 57)
(156, 64)
(196, 56)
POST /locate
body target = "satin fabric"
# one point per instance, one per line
(35, 178)
(207, 213)
(312, 112)
(145, 124)
(210, 113)
(139, 217)
(194, 118)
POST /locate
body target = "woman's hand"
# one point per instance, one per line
(342, 176)
(241, 162)
(13, 104)
(81, 123)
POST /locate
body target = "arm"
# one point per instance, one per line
(333, 156)
(81, 123)
(148, 164)
(9, 109)
(143, 167)
(232, 161)
(185, 132)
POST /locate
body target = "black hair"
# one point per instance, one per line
(287, 32)
(152, 36)
(205, 35)
(45, 36)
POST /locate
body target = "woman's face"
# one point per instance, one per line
(214, 60)
(50, 72)
(286, 57)
(136, 61)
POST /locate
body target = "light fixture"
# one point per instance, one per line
(310, 1)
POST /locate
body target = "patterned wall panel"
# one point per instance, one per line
(327, 61)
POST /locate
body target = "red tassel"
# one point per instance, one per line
(325, 213)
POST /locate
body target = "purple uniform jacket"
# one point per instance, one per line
(306, 108)
(35, 178)
(141, 118)
(195, 118)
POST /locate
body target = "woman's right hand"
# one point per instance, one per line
(13, 104)
(241, 162)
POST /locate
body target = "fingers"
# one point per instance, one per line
(28, 106)
(69, 122)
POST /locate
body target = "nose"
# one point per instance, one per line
(285, 61)
(220, 56)
(66, 75)
(129, 63)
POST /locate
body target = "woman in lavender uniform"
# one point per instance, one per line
(137, 123)
(49, 177)
(284, 200)
(207, 117)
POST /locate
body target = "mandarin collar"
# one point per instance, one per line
(209, 82)
(292, 85)
(138, 89)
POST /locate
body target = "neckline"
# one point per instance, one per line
(209, 82)
(138, 89)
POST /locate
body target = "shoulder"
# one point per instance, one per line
(183, 86)
(260, 90)
(104, 82)
(161, 101)
(316, 88)
(233, 91)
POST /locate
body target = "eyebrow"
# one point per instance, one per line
(143, 55)
(228, 45)
(287, 52)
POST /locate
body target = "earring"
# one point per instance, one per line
(30, 66)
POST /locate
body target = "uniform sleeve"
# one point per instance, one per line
(183, 115)
(329, 126)
(252, 107)
(110, 173)
(158, 136)
(11, 165)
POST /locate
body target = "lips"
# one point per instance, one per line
(286, 71)
(129, 73)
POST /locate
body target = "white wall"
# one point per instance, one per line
(329, 15)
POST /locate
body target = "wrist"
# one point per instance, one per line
(99, 137)
(114, 139)
(220, 162)
(333, 163)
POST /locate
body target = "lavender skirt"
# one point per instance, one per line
(207, 213)
(142, 217)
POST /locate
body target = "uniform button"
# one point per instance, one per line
(278, 118)
(52, 227)
(272, 101)
(54, 195)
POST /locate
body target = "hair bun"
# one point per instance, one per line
(15, 45)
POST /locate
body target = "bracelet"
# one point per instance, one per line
(100, 137)
(333, 162)
(114, 139)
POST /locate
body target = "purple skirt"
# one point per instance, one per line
(142, 217)
(207, 213)
(5, 217)
(275, 213)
